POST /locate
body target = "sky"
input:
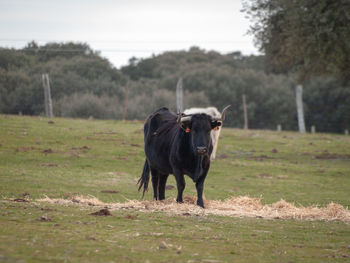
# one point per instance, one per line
(121, 29)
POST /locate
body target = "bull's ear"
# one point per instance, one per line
(215, 124)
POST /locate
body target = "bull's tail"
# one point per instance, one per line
(144, 179)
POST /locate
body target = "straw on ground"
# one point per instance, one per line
(240, 206)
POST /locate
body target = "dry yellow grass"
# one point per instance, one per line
(241, 206)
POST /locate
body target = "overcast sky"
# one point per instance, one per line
(121, 29)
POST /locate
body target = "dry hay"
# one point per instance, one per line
(241, 206)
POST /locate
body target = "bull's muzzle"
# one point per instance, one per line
(201, 150)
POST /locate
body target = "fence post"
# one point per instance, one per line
(300, 112)
(346, 132)
(313, 129)
(279, 127)
(179, 96)
(245, 112)
(47, 94)
(125, 101)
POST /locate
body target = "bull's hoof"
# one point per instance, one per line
(179, 201)
(200, 204)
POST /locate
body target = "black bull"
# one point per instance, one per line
(177, 144)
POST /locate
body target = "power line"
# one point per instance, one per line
(83, 50)
(56, 50)
(37, 50)
(136, 41)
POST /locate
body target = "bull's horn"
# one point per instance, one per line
(186, 118)
(181, 118)
(223, 113)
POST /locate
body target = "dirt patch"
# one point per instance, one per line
(25, 149)
(21, 200)
(81, 148)
(236, 206)
(131, 217)
(331, 156)
(44, 218)
(85, 148)
(92, 238)
(261, 157)
(47, 151)
(102, 212)
(46, 209)
(49, 164)
(267, 176)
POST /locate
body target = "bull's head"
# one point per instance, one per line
(199, 126)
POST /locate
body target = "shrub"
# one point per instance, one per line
(88, 105)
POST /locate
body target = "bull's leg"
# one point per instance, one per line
(180, 182)
(200, 187)
(155, 184)
(162, 183)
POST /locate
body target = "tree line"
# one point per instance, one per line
(84, 84)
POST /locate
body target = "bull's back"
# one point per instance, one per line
(159, 130)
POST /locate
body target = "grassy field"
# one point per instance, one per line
(65, 157)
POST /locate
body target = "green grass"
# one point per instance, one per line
(71, 157)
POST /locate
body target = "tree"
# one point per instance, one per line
(54, 50)
(74, 68)
(309, 37)
(84, 84)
